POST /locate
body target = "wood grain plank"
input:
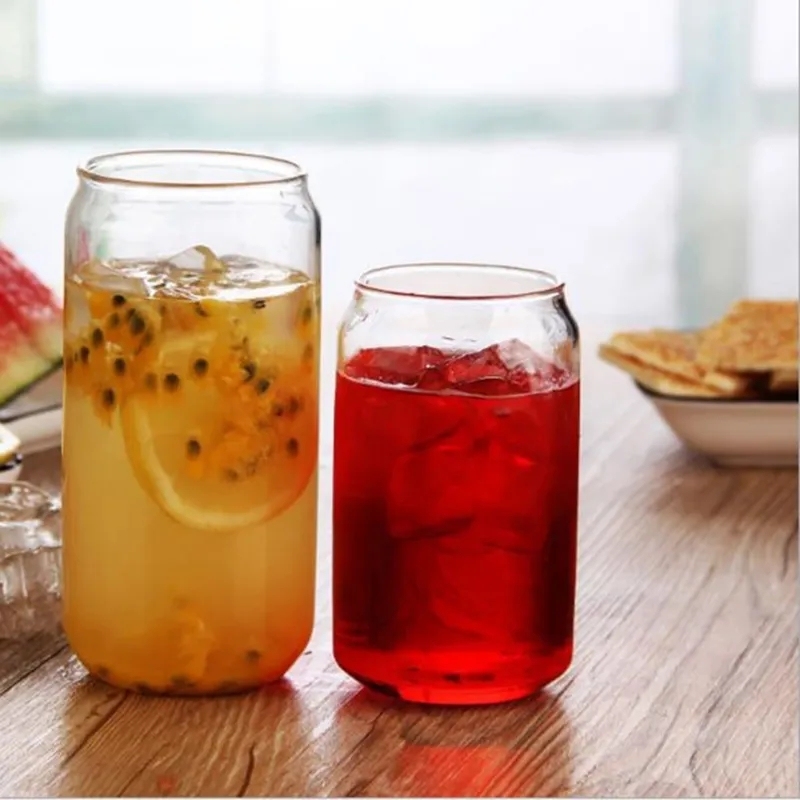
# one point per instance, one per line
(684, 681)
(18, 659)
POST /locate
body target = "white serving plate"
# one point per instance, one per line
(733, 432)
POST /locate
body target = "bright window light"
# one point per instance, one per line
(153, 46)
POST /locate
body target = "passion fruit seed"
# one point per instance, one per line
(129, 313)
(249, 370)
(109, 398)
(193, 448)
(118, 300)
(84, 354)
(294, 406)
(143, 688)
(119, 366)
(172, 382)
(200, 367)
(308, 312)
(252, 656)
(199, 310)
(292, 447)
(278, 410)
(101, 671)
(112, 321)
(262, 386)
(230, 474)
(136, 323)
(147, 339)
(97, 337)
(259, 303)
(308, 352)
(150, 381)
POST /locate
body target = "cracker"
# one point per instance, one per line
(669, 351)
(655, 379)
(754, 336)
(675, 352)
(783, 380)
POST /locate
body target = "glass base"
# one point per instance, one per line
(177, 689)
(143, 675)
(399, 675)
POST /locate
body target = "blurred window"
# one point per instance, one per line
(707, 88)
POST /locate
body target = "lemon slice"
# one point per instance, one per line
(9, 445)
(219, 446)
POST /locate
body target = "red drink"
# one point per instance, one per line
(454, 522)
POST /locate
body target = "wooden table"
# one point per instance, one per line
(685, 679)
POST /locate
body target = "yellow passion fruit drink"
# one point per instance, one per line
(190, 442)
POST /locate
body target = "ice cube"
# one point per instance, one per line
(482, 593)
(515, 383)
(543, 374)
(464, 368)
(512, 494)
(509, 367)
(197, 259)
(76, 307)
(116, 276)
(465, 513)
(433, 379)
(463, 466)
(432, 490)
(457, 589)
(247, 271)
(514, 353)
(404, 366)
(484, 373)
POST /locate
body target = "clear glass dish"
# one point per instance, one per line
(30, 561)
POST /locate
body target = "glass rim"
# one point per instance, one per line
(555, 288)
(90, 169)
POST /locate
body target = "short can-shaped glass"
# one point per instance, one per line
(455, 497)
(190, 419)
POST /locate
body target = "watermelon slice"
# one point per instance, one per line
(30, 328)
(35, 308)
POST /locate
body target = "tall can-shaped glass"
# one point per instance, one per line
(192, 301)
(456, 482)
